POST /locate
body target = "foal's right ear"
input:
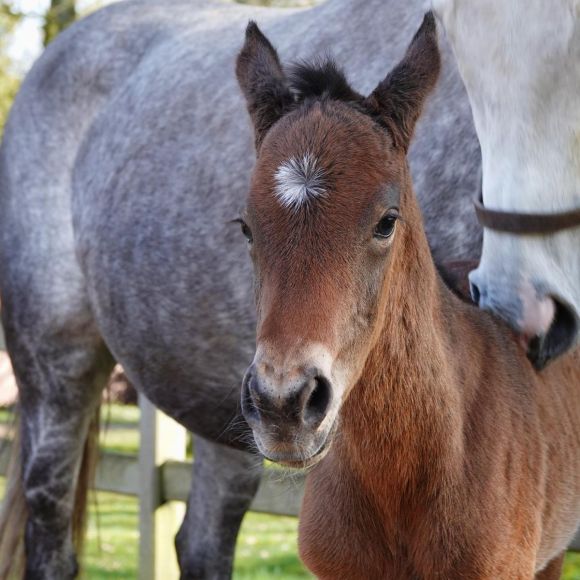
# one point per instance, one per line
(262, 81)
(399, 99)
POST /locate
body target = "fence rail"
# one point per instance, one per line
(278, 494)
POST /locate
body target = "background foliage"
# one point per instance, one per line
(9, 81)
(59, 15)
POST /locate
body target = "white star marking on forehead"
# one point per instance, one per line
(299, 180)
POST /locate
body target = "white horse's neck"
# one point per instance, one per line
(524, 92)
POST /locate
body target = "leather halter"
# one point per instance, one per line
(525, 223)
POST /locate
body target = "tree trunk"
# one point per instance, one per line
(60, 14)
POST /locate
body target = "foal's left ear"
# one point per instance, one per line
(263, 82)
(399, 98)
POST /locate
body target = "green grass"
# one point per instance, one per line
(119, 439)
(119, 428)
(266, 545)
(5, 415)
(120, 415)
(572, 567)
(113, 538)
(267, 548)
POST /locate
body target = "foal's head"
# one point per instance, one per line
(327, 222)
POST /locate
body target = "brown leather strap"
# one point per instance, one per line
(525, 223)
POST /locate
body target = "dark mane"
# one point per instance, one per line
(321, 79)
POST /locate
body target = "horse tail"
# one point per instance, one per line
(85, 482)
(14, 511)
(13, 514)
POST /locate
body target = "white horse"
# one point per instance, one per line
(520, 61)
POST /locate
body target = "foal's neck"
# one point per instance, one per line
(408, 401)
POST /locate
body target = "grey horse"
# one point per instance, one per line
(125, 158)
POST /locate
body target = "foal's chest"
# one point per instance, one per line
(345, 535)
(342, 534)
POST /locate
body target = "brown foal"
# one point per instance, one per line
(436, 449)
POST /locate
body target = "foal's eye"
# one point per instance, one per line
(246, 231)
(386, 226)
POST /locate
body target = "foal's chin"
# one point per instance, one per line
(296, 455)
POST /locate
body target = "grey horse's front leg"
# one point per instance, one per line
(224, 483)
(59, 393)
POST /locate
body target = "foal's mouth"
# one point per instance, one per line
(297, 460)
(312, 460)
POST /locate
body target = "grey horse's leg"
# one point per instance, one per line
(224, 483)
(60, 380)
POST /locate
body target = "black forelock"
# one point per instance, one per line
(323, 79)
(320, 79)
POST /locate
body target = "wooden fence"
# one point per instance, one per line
(161, 478)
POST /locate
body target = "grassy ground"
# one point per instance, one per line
(266, 545)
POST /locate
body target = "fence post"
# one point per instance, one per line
(161, 439)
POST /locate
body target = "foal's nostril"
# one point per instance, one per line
(318, 401)
(475, 293)
(302, 403)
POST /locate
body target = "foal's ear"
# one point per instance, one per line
(262, 81)
(399, 98)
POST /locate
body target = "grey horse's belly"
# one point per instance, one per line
(171, 289)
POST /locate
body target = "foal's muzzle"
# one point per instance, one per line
(288, 413)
